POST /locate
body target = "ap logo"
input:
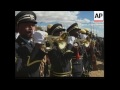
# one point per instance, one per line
(98, 16)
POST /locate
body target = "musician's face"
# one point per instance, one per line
(26, 29)
(74, 33)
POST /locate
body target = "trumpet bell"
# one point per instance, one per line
(64, 36)
(87, 44)
(60, 40)
(62, 45)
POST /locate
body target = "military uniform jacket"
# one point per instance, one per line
(60, 62)
(76, 51)
(27, 59)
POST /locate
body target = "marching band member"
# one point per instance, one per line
(61, 54)
(26, 60)
(77, 65)
(89, 57)
(86, 57)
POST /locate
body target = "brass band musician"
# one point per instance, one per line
(60, 54)
(77, 65)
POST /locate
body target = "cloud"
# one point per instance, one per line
(56, 16)
(64, 17)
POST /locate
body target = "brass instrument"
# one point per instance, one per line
(86, 43)
(60, 40)
(83, 42)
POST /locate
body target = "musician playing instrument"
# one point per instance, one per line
(60, 53)
(26, 60)
(89, 57)
(86, 56)
(77, 65)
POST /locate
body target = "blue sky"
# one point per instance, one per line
(86, 14)
(85, 19)
(82, 15)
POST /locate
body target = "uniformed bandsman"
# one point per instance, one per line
(86, 57)
(77, 65)
(27, 55)
(61, 54)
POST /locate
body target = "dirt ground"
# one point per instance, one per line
(100, 71)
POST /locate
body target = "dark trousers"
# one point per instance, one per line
(77, 68)
(35, 74)
(87, 63)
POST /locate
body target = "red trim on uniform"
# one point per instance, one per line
(78, 56)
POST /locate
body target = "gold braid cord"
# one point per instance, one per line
(31, 63)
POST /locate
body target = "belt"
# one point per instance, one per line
(64, 74)
(75, 58)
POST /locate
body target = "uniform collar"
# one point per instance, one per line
(27, 41)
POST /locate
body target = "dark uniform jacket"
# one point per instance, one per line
(27, 59)
(60, 62)
(77, 65)
(76, 51)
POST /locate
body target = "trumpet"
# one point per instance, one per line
(59, 40)
(82, 42)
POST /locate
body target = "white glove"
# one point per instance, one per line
(39, 36)
(71, 40)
